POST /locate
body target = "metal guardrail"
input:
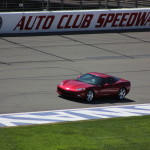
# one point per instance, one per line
(49, 5)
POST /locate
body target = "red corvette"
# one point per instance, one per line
(93, 85)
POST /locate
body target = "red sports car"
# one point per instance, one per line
(93, 85)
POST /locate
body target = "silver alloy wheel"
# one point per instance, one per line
(122, 93)
(90, 96)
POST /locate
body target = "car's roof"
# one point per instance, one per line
(100, 74)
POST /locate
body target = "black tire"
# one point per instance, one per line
(89, 96)
(122, 93)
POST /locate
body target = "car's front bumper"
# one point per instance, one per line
(63, 92)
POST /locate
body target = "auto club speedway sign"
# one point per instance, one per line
(89, 20)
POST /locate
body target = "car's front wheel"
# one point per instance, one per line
(122, 93)
(90, 96)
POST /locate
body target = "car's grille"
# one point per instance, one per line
(66, 92)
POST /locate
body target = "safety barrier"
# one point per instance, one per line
(62, 21)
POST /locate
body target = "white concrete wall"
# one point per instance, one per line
(60, 21)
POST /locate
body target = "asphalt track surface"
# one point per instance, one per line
(32, 66)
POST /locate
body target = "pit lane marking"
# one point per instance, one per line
(45, 117)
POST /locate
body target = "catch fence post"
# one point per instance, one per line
(106, 6)
(81, 4)
(136, 3)
(48, 2)
(62, 4)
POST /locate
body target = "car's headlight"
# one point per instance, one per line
(80, 89)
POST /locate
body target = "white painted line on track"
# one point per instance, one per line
(53, 116)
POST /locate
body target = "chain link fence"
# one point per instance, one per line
(52, 5)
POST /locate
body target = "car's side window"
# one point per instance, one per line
(116, 79)
(109, 80)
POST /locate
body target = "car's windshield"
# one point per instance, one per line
(91, 79)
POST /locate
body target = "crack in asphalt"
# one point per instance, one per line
(129, 71)
(36, 49)
(96, 47)
(134, 38)
(74, 60)
(5, 63)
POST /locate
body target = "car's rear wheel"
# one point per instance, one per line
(89, 96)
(122, 93)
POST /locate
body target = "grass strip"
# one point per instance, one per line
(108, 134)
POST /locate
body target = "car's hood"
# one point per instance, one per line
(75, 84)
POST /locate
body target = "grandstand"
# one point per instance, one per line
(49, 5)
